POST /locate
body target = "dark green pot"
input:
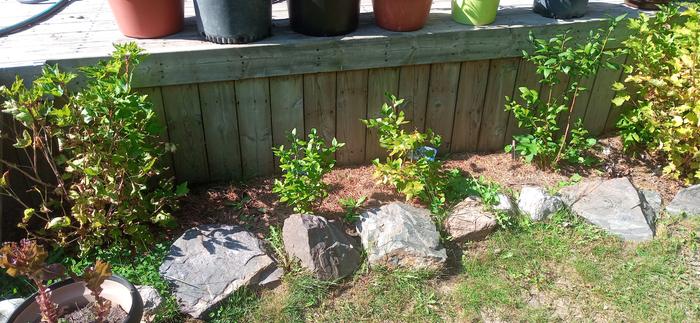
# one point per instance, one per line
(234, 21)
(561, 9)
(324, 17)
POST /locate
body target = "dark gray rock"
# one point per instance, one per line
(272, 280)
(468, 221)
(400, 235)
(653, 198)
(321, 246)
(7, 307)
(151, 302)
(614, 205)
(686, 201)
(210, 262)
(536, 203)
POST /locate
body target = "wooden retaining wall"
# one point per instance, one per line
(225, 130)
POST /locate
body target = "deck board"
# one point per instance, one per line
(85, 31)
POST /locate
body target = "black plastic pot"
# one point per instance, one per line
(70, 294)
(324, 17)
(561, 9)
(234, 21)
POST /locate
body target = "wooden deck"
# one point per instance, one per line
(85, 30)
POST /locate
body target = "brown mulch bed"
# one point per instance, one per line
(253, 205)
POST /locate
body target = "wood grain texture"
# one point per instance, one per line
(379, 82)
(601, 97)
(527, 77)
(220, 121)
(442, 98)
(319, 104)
(473, 80)
(184, 118)
(351, 107)
(413, 88)
(494, 121)
(286, 107)
(155, 96)
(255, 126)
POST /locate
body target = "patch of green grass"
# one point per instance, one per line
(236, 307)
(305, 292)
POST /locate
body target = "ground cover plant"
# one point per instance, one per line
(547, 141)
(93, 156)
(303, 165)
(661, 94)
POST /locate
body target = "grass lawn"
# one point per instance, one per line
(560, 270)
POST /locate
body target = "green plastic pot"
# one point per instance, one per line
(474, 12)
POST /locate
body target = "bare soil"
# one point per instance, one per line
(86, 314)
(253, 205)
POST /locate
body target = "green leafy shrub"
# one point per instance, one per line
(303, 165)
(352, 206)
(411, 167)
(662, 90)
(93, 156)
(545, 141)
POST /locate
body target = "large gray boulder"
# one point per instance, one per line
(400, 235)
(210, 262)
(321, 246)
(7, 307)
(615, 205)
(686, 201)
(536, 203)
(468, 221)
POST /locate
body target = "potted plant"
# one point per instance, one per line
(401, 15)
(234, 21)
(95, 296)
(561, 9)
(474, 12)
(148, 18)
(646, 4)
(323, 17)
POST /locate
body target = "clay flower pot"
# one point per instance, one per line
(646, 4)
(401, 15)
(561, 9)
(324, 17)
(148, 18)
(474, 12)
(70, 295)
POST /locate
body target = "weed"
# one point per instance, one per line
(351, 207)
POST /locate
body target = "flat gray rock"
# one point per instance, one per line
(536, 203)
(400, 235)
(321, 246)
(686, 201)
(7, 307)
(505, 205)
(653, 198)
(614, 205)
(210, 262)
(151, 302)
(468, 221)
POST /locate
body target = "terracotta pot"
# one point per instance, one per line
(401, 15)
(646, 4)
(71, 295)
(148, 18)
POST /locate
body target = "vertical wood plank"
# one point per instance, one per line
(473, 79)
(184, 119)
(255, 126)
(581, 101)
(379, 81)
(494, 121)
(527, 77)
(218, 102)
(319, 103)
(442, 98)
(286, 107)
(155, 96)
(601, 97)
(616, 112)
(351, 108)
(413, 88)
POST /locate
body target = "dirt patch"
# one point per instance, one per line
(253, 205)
